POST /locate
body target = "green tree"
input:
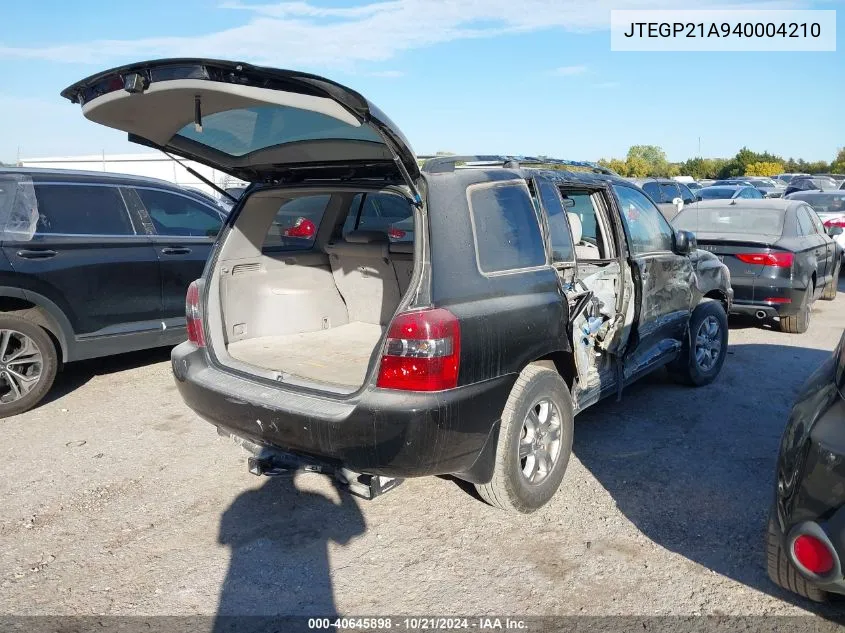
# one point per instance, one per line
(764, 168)
(838, 164)
(652, 156)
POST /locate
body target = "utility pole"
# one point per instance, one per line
(699, 147)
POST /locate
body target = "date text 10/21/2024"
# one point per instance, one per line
(419, 624)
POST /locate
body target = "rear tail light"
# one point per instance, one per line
(776, 260)
(422, 351)
(778, 300)
(813, 554)
(396, 234)
(303, 227)
(840, 222)
(193, 315)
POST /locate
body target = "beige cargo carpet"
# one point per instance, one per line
(339, 356)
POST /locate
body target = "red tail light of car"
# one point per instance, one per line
(840, 222)
(813, 554)
(303, 227)
(776, 260)
(193, 315)
(422, 351)
(396, 234)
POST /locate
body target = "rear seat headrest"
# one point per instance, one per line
(366, 237)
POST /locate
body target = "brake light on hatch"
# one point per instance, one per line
(422, 351)
(193, 315)
(303, 227)
(775, 260)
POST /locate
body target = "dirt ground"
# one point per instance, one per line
(118, 500)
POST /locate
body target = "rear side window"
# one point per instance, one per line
(805, 224)
(386, 212)
(81, 210)
(172, 214)
(507, 233)
(295, 225)
(562, 250)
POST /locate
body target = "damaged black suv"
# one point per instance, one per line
(445, 319)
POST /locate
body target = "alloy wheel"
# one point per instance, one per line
(708, 344)
(539, 443)
(21, 364)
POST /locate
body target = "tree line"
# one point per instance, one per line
(650, 160)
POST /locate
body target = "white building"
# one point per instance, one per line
(153, 165)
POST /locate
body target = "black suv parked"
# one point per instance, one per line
(92, 264)
(525, 296)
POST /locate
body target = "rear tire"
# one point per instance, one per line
(798, 323)
(27, 369)
(829, 292)
(704, 351)
(781, 570)
(524, 450)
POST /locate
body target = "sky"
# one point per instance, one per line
(526, 77)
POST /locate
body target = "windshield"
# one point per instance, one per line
(717, 193)
(731, 219)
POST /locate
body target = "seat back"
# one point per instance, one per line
(365, 276)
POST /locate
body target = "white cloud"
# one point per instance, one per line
(568, 71)
(606, 84)
(292, 34)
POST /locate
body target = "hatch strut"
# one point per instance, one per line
(193, 172)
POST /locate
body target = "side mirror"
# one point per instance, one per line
(685, 242)
(698, 197)
(679, 204)
(833, 231)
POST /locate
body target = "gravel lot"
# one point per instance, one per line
(118, 500)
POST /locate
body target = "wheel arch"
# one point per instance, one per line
(42, 311)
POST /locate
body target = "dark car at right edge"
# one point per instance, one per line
(805, 542)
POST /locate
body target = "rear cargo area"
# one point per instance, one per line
(314, 308)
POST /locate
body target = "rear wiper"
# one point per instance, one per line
(195, 173)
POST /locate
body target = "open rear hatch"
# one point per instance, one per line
(258, 124)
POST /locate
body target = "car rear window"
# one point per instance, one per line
(506, 228)
(296, 222)
(717, 193)
(242, 131)
(379, 211)
(81, 210)
(733, 219)
(822, 202)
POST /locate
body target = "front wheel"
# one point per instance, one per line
(28, 363)
(704, 351)
(535, 442)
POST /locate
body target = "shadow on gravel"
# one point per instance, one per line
(279, 564)
(696, 475)
(75, 375)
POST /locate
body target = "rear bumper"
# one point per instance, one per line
(380, 432)
(747, 305)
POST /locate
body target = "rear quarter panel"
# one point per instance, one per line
(508, 320)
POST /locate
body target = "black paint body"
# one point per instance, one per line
(810, 486)
(507, 321)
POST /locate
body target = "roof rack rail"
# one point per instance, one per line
(445, 164)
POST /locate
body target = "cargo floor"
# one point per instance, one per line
(338, 356)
